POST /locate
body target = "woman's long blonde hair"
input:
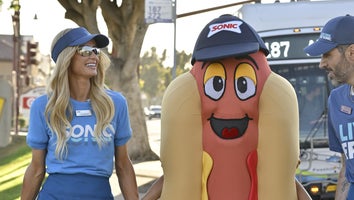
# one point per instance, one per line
(59, 112)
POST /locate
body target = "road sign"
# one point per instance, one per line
(27, 98)
(158, 11)
(27, 101)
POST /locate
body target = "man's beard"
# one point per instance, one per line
(334, 81)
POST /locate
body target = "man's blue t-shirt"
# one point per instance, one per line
(341, 126)
(84, 154)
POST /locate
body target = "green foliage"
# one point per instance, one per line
(22, 122)
(15, 4)
(155, 77)
(183, 62)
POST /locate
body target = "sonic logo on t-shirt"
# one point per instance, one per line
(84, 133)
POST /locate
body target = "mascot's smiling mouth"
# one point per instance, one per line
(229, 128)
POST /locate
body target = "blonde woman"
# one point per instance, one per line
(80, 127)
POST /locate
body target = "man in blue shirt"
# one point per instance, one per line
(336, 45)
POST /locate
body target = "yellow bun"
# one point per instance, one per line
(278, 142)
(181, 140)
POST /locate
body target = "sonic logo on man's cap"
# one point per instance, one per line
(326, 36)
(233, 26)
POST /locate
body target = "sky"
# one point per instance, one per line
(50, 20)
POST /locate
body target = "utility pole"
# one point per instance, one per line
(15, 5)
(174, 11)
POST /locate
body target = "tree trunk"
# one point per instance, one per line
(138, 147)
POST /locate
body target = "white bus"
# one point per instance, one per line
(287, 28)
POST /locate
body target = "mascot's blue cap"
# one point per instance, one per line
(227, 36)
(75, 37)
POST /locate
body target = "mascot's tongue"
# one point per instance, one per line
(229, 133)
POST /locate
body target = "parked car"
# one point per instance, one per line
(154, 111)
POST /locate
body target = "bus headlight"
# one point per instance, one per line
(314, 189)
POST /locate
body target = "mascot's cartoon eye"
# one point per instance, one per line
(214, 81)
(245, 88)
(245, 81)
(214, 87)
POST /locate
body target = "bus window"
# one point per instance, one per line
(312, 89)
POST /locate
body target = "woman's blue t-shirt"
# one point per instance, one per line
(84, 155)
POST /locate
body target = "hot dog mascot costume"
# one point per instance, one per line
(229, 127)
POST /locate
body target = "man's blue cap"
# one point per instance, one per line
(227, 36)
(337, 31)
(76, 37)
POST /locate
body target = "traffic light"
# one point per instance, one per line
(23, 66)
(24, 71)
(32, 49)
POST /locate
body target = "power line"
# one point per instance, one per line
(215, 8)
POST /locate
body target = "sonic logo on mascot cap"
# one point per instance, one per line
(233, 26)
(224, 134)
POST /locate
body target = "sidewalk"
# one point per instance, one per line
(146, 172)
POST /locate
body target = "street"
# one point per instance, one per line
(154, 128)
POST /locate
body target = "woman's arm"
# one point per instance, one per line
(34, 175)
(155, 190)
(126, 174)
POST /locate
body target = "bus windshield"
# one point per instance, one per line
(312, 88)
